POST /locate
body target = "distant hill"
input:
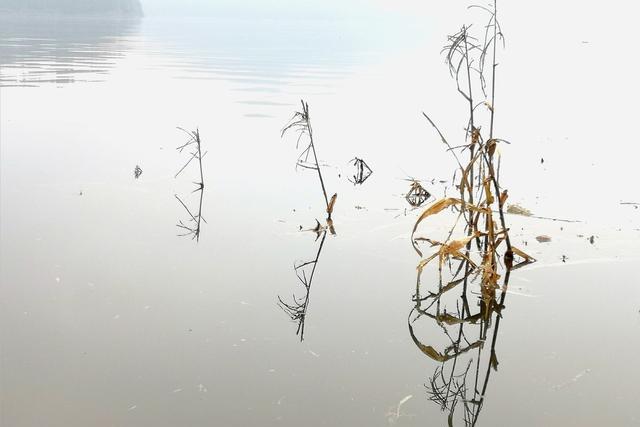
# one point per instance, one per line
(73, 7)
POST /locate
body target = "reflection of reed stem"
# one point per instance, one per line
(194, 139)
(297, 310)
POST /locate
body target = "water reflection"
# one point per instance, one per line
(37, 50)
(462, 339)
(300, 123)
(296, 308)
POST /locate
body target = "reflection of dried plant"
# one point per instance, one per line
(297, 309)
(482, 254)
(363, 171)
(308, 159)
(416, 195)
(137, 172)
(192, 227)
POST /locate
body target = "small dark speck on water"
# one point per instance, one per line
(541, 160)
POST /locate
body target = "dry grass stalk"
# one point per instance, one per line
(308, 158)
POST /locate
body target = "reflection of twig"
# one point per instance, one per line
(193, 142)
(297, 310)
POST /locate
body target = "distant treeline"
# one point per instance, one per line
(73, 7)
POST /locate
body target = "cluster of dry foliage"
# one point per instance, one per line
(475, 256)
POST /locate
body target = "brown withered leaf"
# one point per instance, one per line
(436, 208)
(494, 361)
(487, 190)
(475, 135)
(543, 239)
(508, 259)
(453, 248)
(503, 197)
(449, 319)
(491, 147)
(435, 354)
(427, 349)
(332, 229)
(522, 254)
(430, 241)
(331, 204)
(426, 261)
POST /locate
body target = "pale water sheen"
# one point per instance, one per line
(109, 319)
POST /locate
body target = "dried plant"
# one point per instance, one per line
(417, 195)
(363, 171)
(477, 250)
(193, 145)
(308, 158)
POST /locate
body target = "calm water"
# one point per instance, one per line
(109, 319)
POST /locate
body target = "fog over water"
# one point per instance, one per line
(107, 317)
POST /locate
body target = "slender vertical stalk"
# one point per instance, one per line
(305, 106)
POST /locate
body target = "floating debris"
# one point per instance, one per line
(543, 239)
(394, 413)
(516, 209)
(137, 172)
(572, 380)
(592, 240)
(417, 195)
(635, 205)
(363, 171)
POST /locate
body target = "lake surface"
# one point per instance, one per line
(108, 318)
